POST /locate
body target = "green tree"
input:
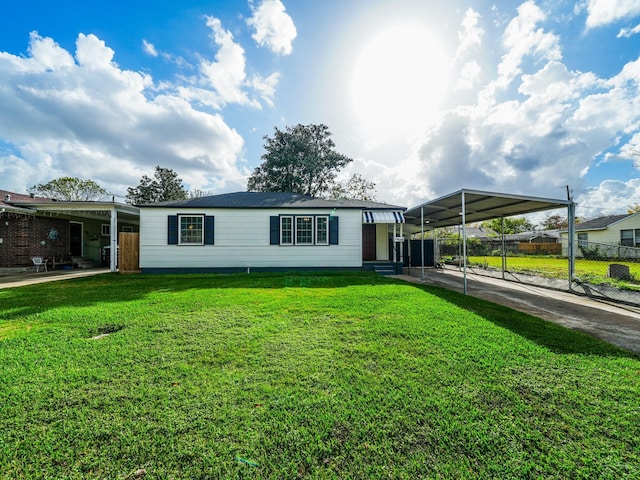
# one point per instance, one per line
(356, 187)
(301, 159)
(554, 222)
(164, 186)
(511, 225)
(69, 189)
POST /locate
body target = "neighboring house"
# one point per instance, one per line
(615, 230)
(65, 233)
(247, 231)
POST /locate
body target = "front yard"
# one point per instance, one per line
(302, 376)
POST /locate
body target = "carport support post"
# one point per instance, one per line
(422, 242)
(571, 231)
(464, 243)
(114, 239)
(504, 253)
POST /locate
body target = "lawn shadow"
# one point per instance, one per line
(34, 299)
(552, 336)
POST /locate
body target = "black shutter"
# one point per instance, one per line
(209, 228)
(172, 230)
(333, 230)
(274, 230)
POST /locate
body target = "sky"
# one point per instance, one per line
(535, 97)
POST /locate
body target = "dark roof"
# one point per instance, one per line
(601, 223)
(270, 200)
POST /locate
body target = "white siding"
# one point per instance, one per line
(242, 240)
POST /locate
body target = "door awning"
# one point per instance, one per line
(382, 216)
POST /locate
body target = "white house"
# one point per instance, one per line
(267, 231)
(616, 231)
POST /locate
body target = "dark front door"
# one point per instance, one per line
(75, 239)
(368, 243)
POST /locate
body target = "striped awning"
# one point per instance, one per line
(382, 216)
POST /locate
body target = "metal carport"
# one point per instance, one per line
(468, 206)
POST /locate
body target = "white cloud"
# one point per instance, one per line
(149, 48)
(273, 27)
(608, 198)
(226, 75)
(538, 142)
(470, 37)
(523, 37)
(91, 119)
(605, 12)
(469, 47)
(628, 32)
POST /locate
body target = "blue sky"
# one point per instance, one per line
(426, 97)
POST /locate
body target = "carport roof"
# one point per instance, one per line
(479, 206)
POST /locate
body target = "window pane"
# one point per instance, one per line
(321, 231)
(583, 239)
(191, 231)
(286, 230)
(304, 230)
(626, 238)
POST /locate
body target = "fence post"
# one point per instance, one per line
(571, 221)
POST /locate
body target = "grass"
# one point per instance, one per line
(594, 271)
(302, 376)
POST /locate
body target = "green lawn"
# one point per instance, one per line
(588, 270)
(302, 376)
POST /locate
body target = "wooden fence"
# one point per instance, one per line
(129, 252)
(540, 248)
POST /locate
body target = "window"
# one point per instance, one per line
(304, 230)
(127, 229)
(630, 238)
(191, 229)
(322, 231)
(286, 230)
(583, 240)
(105, 230)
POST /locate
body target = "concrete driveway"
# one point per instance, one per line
(615, 323)
(31, 278)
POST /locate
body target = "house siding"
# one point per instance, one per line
(610, 235)
(242, 239)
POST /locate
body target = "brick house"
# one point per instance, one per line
(65, 233)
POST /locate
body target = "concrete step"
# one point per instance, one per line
(384, 270)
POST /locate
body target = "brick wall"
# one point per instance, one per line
(26, 236)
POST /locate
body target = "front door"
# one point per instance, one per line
(368, 242)
(75, 239)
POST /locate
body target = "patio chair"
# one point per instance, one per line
(39, 262)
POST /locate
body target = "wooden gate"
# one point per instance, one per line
(129, 252)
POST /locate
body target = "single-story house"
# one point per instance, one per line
(611, 229)
(618, 231)
(77, 233)
(248, 231)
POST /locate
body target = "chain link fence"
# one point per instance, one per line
(605, 271)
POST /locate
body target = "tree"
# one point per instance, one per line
(635, 208)
(300, 159)
(164, 186)
(356, 187)
(554, 222)
(511, 225)
(69, 189)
